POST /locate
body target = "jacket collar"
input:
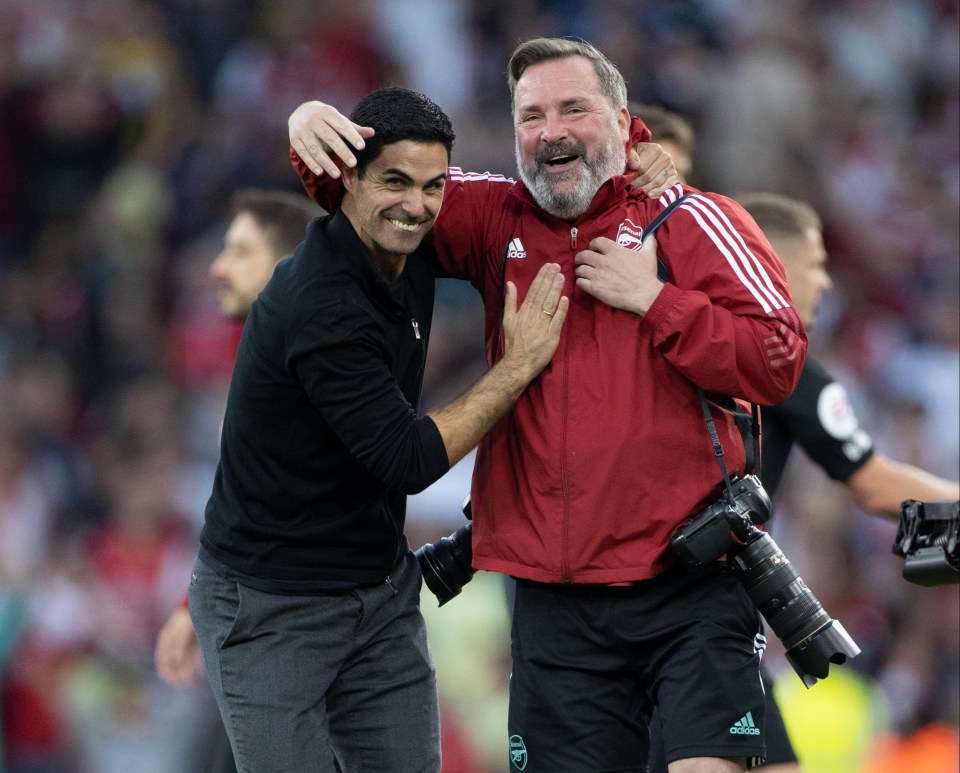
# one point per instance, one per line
(353, 259)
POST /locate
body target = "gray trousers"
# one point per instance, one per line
(304, 680)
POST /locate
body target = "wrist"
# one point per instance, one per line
(515, 371)
(646, 298)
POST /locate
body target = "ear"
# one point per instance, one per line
(349, 178)
(623, 123)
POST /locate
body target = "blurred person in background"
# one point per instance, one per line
(818, 416)
(305, 594)
(265, 228)
(78, 684)
(893, 243)
(672, 132)
(545, 507)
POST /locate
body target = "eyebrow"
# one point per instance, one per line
(393, 171)
(579, 100)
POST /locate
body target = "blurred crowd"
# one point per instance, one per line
(126, 124)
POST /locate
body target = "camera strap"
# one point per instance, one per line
(718, 448)
(663, 275)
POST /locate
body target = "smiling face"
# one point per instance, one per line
(243, 267)
(569, 137)
(395, 203)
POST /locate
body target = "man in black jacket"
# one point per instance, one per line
(305, 593)
(266, 226)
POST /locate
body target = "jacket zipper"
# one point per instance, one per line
(423, 359)
(564, 481)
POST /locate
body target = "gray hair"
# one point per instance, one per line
(537, 50)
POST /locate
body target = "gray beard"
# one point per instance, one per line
(608, 161)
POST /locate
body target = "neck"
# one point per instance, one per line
(390, 267)
(388, 264)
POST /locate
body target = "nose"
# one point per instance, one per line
(216, 267)
(414, 203)
(553, 129)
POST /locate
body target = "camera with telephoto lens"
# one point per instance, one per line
(928, 541)
(446, 563)
(812, 639)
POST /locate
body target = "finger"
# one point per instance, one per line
(602, 245)
(651, 161)
(510, 301)
(321, 146)
(560, 314)
(342, 137)
(667, 179)
(551, 301)
(312, 150)
(540, 287)
(658, 170)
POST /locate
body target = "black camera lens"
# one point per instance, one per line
(812, 640)
(446, 563)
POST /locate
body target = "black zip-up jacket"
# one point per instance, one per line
(321, 437)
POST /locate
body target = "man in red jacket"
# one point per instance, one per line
(577, 492)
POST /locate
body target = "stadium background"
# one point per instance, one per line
(126, 124)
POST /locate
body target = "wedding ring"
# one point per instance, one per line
(548, 313)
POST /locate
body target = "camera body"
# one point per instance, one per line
(811, 639)
(724, 525)
(928, 540)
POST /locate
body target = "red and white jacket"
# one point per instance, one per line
(607, 451)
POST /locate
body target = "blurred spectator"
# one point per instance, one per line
(124, 125)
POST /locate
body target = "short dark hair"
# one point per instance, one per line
(283, 215)
(780, 216)
(398, 114)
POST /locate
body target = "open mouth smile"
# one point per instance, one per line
(408, 227)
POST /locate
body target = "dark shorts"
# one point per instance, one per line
(779, 748)
(591, 662)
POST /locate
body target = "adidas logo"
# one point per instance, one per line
(515, 249)
(744, 726)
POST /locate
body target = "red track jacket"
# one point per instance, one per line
(607, 452)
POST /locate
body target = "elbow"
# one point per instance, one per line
(407, 476)
(784, 366)
(773, 387)
(415, 486)
(410, 473)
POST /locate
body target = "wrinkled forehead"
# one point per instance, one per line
(420, 162)
(554, 81)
